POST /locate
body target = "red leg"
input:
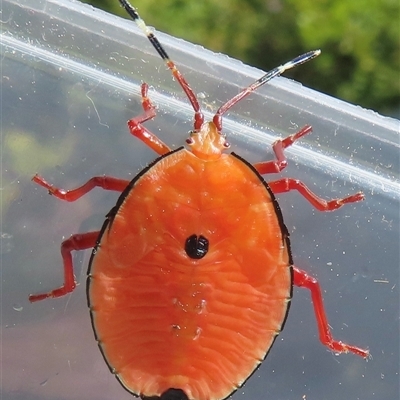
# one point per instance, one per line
(301, 279)
(75, 242)
(271, 167)
(288, 184)
(140, 131)
(105, 182)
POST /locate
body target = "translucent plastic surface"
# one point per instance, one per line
(70, 81)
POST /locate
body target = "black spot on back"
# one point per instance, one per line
(196, 247)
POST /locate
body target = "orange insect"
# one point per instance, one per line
(191, 276)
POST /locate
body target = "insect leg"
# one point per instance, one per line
(140, 131)
(75, 242)
(288, 184)
(105, 182)
(271, 167)
(302, 279)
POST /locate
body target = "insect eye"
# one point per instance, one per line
(227, 145)
(189, 140)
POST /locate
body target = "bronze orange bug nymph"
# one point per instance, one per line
(191, 276)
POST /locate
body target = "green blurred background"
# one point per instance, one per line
(360, 39)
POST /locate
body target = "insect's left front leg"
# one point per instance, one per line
(139, 131)
(302, 279)
(75, 242)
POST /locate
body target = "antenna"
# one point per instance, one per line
(198, 115)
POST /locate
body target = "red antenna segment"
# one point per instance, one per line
(198, 115)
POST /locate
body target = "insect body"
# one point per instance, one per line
(191, 276)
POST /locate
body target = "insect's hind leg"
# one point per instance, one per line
(275, 166)
(139, 131)
(302, 279)
(75, 242)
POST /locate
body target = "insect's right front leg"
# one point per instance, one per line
(75, 242)
(279, 146)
